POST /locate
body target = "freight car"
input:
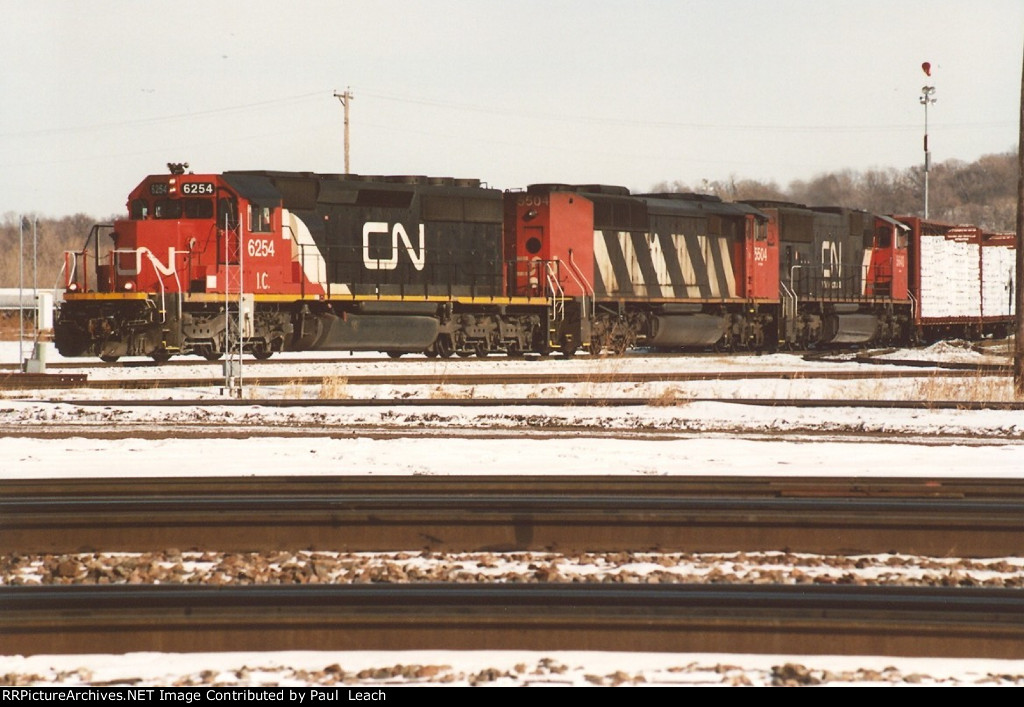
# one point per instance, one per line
(962, 280)
(289, 261)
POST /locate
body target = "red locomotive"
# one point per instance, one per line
(289, 261)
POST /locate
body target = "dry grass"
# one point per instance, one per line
(603, 376)
(293, 391)
(968, 389)
(669, 397)
(333, 388)
(864, 390)
(11, 326)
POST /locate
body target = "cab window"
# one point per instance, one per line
(183, 208)
(260, 218)
(139, 209)
(227, 212)
(197, 208)
(167, 209)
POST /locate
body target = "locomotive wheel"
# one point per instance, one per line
(430, 353)
(395, 354)
(160, 356)
(482, 351)
(109, 359)
(262, 353)
(443, 346)
(212, 355)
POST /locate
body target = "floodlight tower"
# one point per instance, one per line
(926, 98)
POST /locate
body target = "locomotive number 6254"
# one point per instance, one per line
(197, 188)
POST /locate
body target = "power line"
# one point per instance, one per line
(831, 128)
(162, 119)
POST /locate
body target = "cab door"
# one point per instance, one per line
(761, 259)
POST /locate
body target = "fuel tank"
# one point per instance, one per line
(850, 329)
(676, 331)
(376, 332)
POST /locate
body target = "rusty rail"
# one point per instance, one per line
(917, 621)
(983, 518)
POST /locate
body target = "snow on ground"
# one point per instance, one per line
(675, 436)
(504, 669)
(518, 567)
(719, 455)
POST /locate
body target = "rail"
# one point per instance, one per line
(952, 517)
(850, 620)
(926, 370)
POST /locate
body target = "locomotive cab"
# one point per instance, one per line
(160, 283)
(886, 260)
(549, 242)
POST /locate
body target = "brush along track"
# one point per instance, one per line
(935, 622)
(577, 514)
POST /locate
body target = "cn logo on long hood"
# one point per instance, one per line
(378, 231)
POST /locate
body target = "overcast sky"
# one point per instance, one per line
(96, 95)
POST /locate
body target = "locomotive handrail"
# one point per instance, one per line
(302, 256)
(792, 277)
(558, 294)
(60, 274)
(791, 297)
(582, 282)
(160, 280)
(72, 272)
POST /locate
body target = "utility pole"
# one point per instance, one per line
(346, 101)
(1018, 359)
(21, 291)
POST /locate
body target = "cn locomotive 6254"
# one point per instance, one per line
(288, 261)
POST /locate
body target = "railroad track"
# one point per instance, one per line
(919, 621)
(598, 402)
(937, 517)
(23, 381)
(410, 361)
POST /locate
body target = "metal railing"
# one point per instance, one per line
(555, 288)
